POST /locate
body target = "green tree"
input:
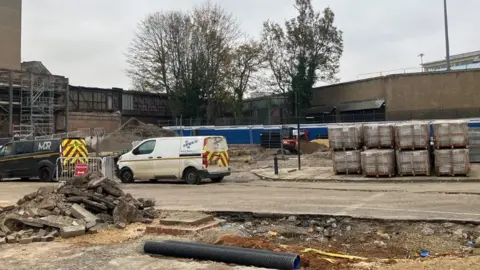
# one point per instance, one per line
(305, 51)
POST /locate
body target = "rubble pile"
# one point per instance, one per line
(133, 130)
(85, 204)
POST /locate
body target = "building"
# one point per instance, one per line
(10, 34)
(468, 60)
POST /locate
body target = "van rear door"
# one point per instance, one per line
(216, 152)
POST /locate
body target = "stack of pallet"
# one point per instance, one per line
(412, 143)
(379, 157)
(451, 152)
(346, 143)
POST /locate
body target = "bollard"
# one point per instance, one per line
(275, 164)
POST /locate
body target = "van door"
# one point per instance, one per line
(216, 150)
(141, 161)
(6, 162)
(25, 165)
(167, 160)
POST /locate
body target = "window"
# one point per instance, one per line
(24, 148)
(6, 150)
(145, 148)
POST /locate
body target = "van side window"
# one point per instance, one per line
(145, 148)
(6, 150)
(24, 148)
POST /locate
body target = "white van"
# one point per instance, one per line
(189, 158)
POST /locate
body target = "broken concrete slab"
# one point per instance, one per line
(95, 183)
(75, 199)
(180, 230)
(72, 231)
(95, 205)
(3, 240)
(125, 213)
(8, 208)
(97, 228)
(11, 239)
(114, 191)
(186, 218)
(54, 233)
(27, 240)
(81, 213)
(45, 190)
(32, 222)
(56, 221)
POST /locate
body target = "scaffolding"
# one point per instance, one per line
(36, 99)
(37, 105)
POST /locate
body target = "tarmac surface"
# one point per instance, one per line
(404, 201)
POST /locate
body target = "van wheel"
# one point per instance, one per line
(217, 179)
(126, 176)
(191, 177)
(45, 174)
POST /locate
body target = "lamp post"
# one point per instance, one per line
(298, 129)
(447, 43)
(421, 55)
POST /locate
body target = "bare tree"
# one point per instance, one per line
(246, 62)
(185, 55)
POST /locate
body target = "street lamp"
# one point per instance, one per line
(421, 55)
(447, 44)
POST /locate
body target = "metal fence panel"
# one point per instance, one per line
(65, 170)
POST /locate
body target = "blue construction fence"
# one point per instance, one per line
(251, 134)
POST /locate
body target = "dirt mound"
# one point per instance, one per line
(84, 204)
(312, 147)
(133, 130)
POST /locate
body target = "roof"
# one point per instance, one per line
(455, 57)
(324, 109)
(361, 105)
(36, 67)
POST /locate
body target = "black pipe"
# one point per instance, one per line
(233, 255)
(263, 251)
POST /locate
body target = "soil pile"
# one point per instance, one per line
(85, 204)
(133, 130)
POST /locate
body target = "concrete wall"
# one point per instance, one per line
(81, 120)
(344, 92)
(452, 94)
(10, 33)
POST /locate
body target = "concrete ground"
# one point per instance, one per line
(422, 201)
(326, 174)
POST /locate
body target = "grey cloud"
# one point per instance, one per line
(86, 40)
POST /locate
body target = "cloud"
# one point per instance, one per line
(86, 40)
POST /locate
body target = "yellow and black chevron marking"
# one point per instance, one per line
(221, 157)
(75, 151)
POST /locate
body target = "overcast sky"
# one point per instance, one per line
(86, 40)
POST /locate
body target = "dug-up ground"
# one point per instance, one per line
(322, 242)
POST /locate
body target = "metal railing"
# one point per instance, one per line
(68, 167)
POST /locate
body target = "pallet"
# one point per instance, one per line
(453, 175)
(411, 149)
(359, 172)
(415, 174)
(380, 148)
(451, 147)
(379, 175)
(346, 149)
